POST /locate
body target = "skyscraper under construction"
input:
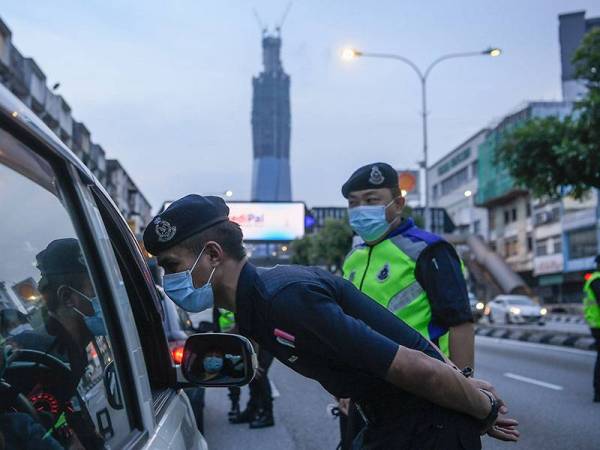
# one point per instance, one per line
(271, 126)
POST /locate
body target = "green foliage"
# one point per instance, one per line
(327, 247)
(587, 59)
(301, 251)
(547, 155)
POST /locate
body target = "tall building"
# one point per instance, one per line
(271, 126)
(572, 27)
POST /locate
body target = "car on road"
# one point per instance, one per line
(518, 309)
(87, 363)
(477, 307)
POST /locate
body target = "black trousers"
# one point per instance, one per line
(433, 428)
(261, 396)
(350, 426)
(596, 334)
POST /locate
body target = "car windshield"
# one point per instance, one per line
(520, 301)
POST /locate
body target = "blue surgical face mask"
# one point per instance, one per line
(213, 364)
(180, 288)
(95, 322)
(369, 221)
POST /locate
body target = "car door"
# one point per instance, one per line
(173, 414)
(75, 383)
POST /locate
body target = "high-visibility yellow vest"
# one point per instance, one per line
(386, 273)
(591, 309)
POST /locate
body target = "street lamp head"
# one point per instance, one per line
(492, 51)
(468, 193)
(350, 53)
(229, 193)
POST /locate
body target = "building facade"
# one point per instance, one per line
(320, 214)
(572, 28)
(510, 208)
(453, 184)
(27, 81)
(128, 198)
(271, 126)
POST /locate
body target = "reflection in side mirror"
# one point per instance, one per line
(218, 359)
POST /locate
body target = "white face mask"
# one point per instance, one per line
(180, 288)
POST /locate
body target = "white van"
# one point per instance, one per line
(68, 258)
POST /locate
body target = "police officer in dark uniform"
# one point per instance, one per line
(322, 327)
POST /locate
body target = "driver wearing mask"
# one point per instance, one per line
(73, 313)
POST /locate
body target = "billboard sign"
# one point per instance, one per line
(408, 182)
(266, 221)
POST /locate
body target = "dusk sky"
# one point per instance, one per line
(165, 86)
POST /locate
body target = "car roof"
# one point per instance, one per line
(512, 297)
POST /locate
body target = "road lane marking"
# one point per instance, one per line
(554, 387)
(549, 347)
(274, 391)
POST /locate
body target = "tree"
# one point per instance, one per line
(327, 247)
(547, 155)
(301, 251)
(332, 243)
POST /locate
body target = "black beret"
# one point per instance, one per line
(62, 256)
(372, 176)
(185, 217)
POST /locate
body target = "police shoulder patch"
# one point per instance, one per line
(384, 273)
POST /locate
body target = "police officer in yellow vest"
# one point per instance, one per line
(591, 311)
(415, 274)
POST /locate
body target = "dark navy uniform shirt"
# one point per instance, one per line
(324, 328)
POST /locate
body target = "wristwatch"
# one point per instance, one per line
(493, 415)
(468, 372)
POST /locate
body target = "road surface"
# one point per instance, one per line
(547, 388)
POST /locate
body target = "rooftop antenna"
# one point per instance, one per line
(283, 17)
(261, 25)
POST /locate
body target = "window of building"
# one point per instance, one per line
(541, 247)
(511, 247)
(528, 210)
(492, 220)
(474, 169)
(582, 243)
(557, 247)
(529, 243)
(454, 181)
(435, 191)
(514, 214)
(477, 227)
(506, 217)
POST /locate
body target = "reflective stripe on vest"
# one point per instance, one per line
(386, 273)
(591, 309)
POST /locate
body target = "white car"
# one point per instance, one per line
(514, 309)
(104, 377)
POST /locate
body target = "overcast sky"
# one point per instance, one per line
(165, 86)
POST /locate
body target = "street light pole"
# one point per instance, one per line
(423, 77)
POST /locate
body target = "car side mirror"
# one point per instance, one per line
(218, 359)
